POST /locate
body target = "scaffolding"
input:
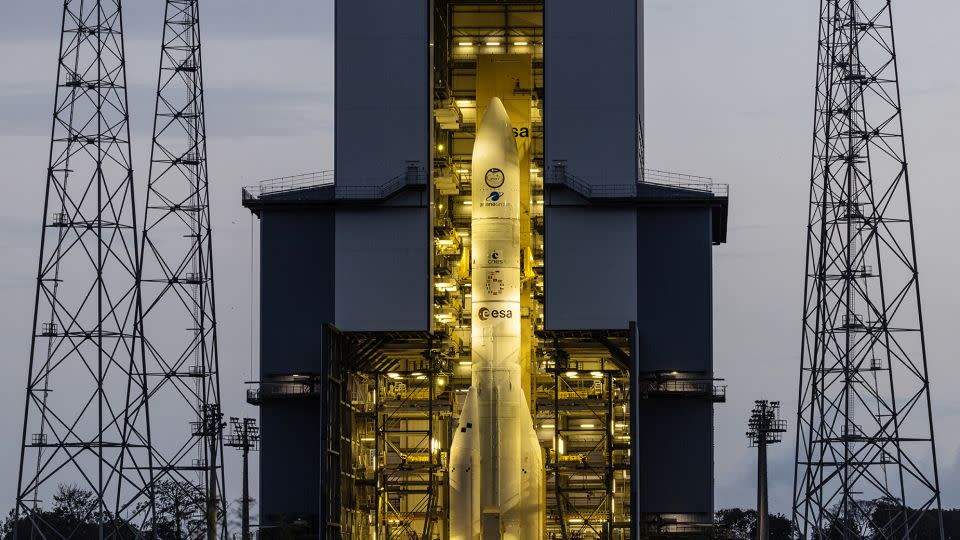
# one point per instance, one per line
(583, 412)
(393, 420)
(392, 401)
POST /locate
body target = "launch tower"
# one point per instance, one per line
(371, 278)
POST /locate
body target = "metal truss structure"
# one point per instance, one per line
(86, 420)
(179, 322)
(397, 401)
(865, 454)
(391, 401)
(583, 404)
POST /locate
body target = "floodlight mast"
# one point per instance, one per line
(765, 428)
(245, 436)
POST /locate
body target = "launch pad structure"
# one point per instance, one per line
(403, 392)
(615, 284)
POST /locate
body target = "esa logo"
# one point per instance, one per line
(522, 132)
(494, 196)
(486, 313)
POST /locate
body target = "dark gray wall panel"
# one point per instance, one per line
(296, 288)
(675, 290)
(676, 456)
(382, 269)
(382, 89)
(290, 453)
(592, 85)
(590, 267)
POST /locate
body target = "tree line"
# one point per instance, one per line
(867, 520)
(179, 514)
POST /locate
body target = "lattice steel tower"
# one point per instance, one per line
(179, 321)
(865, 456)
(85, 416)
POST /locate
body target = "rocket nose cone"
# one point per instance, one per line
(495, 130)
(496, 113)
(469, 412)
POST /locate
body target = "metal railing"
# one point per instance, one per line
(413, 177)
(684, 388)
(281, 390)
(287, 184)
(682, 185)
(684, 181)
(292, 185)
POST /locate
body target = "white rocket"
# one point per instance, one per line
(496, 474)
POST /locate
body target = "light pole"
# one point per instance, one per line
(765, 428)
(245, 435)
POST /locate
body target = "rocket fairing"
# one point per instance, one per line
(510, 459)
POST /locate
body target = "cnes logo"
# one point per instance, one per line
(486, 313)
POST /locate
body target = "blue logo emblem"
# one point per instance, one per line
(494, 196)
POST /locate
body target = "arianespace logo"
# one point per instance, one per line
(493, 199)
(487, 313)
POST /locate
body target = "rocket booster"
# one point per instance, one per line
(510, 459)
(464, 462)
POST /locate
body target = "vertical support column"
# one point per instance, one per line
(763, 517)
(610, 476)
(330, 525)
(636, 474)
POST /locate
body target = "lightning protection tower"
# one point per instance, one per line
(178, 320)
(865, 456)
(86, 417)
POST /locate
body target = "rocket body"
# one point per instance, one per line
(504, 433)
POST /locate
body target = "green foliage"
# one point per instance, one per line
(867, 520)
(180, 508)
(740, 524)
(75, 514)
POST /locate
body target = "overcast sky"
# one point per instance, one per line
(729, 94)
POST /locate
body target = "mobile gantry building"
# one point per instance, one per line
(365, 280)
